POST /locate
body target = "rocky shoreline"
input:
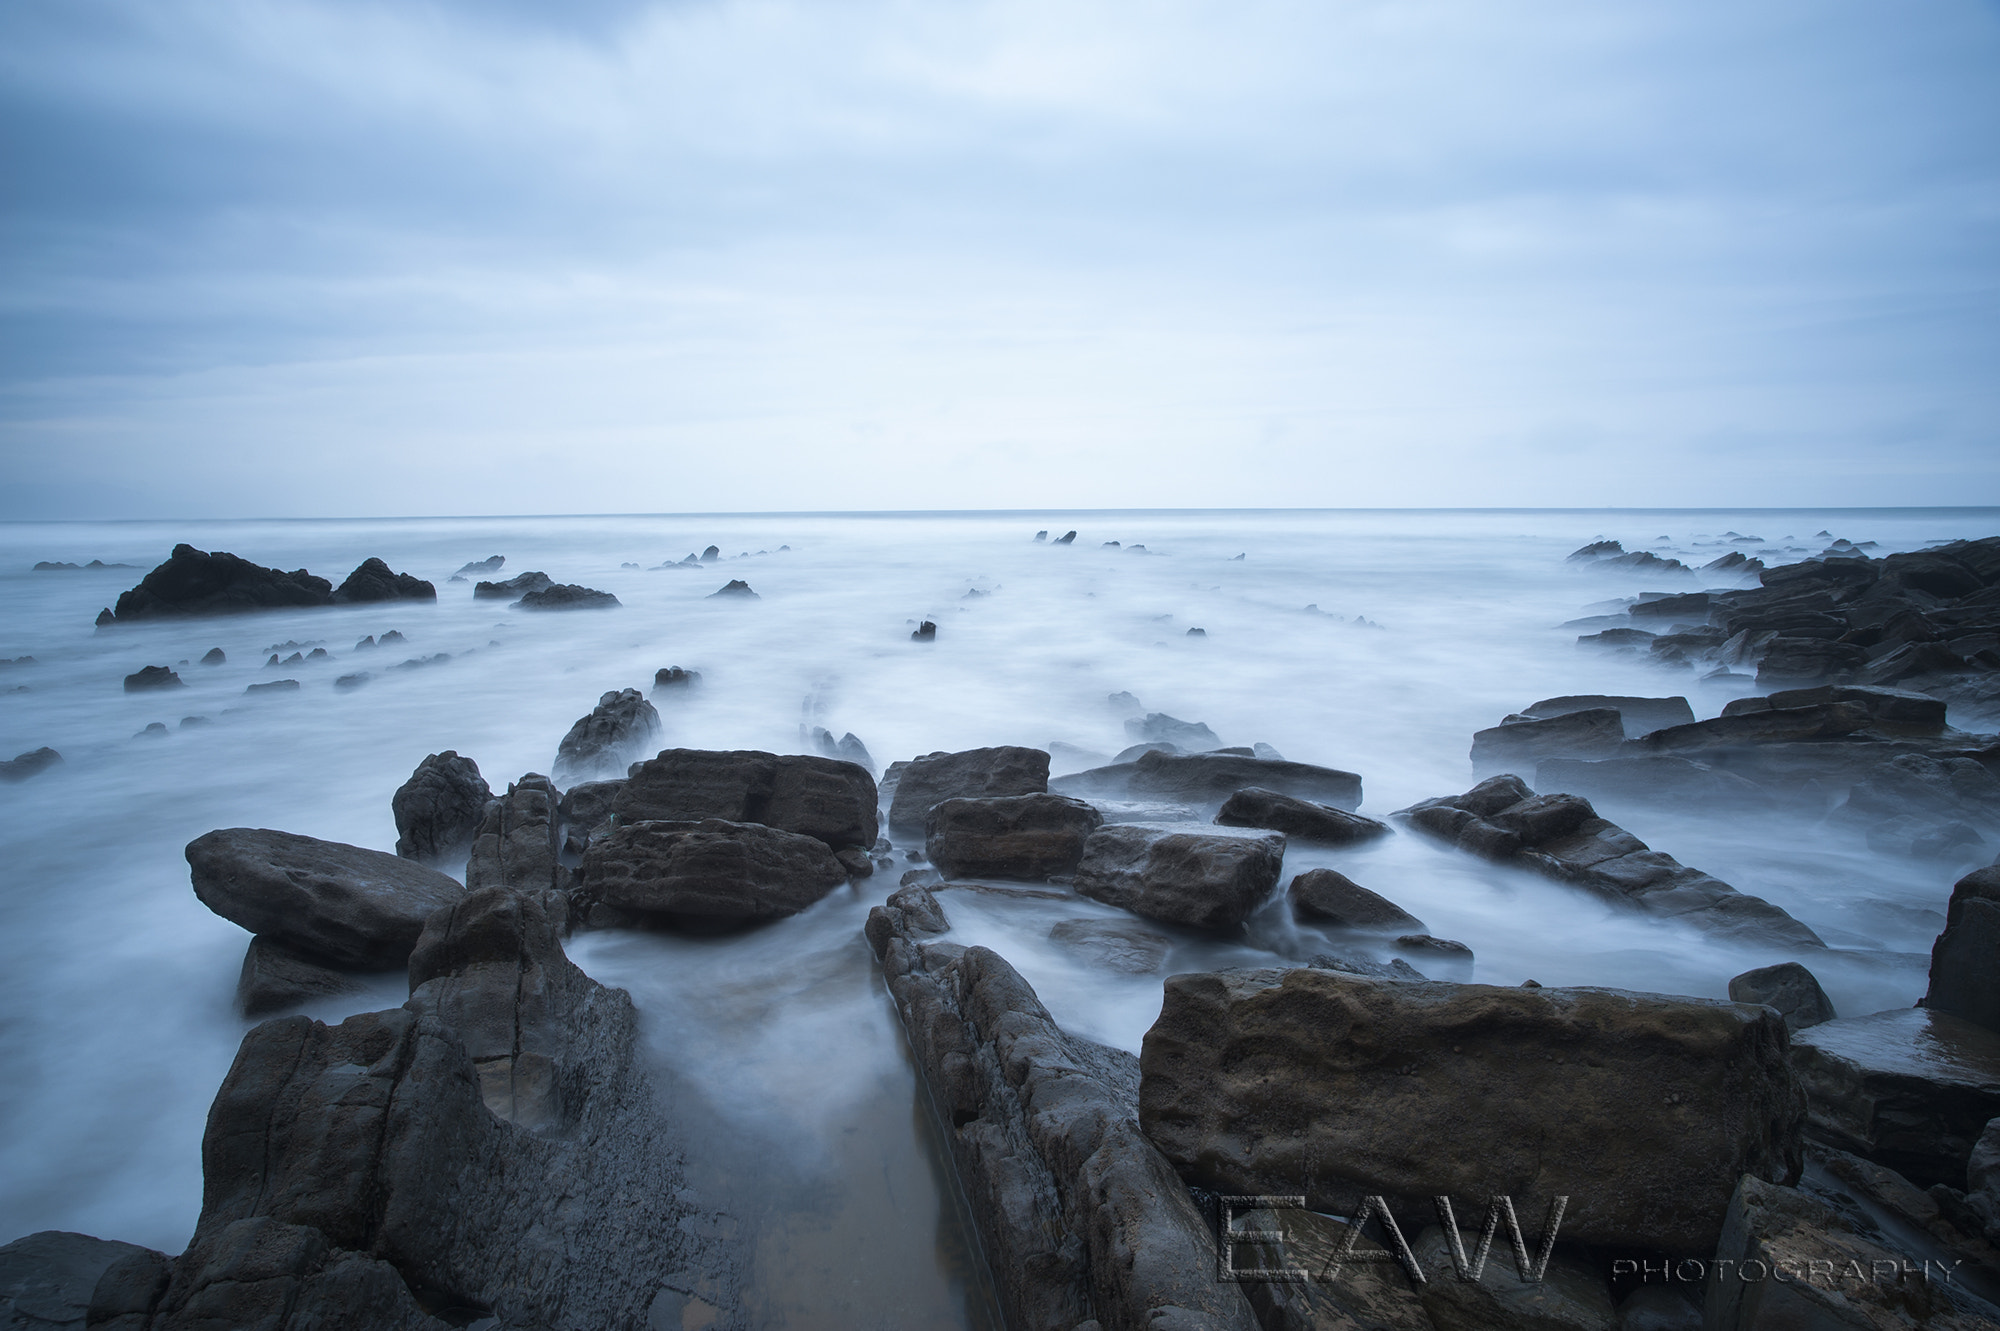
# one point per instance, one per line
(493, 1154)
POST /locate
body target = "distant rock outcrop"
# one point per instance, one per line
(195, 582)
(374, 580)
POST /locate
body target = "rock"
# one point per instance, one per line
(491, 564)
(47, 1280)
(1888, 711)
(1622, 640)
(848, 748)
(1331, 1293)
(374, 580)
(1928, 789)
(32, 763)
(1649, 778)
(1982, 1180)
(1596, 732)
(1207, 880)
(1965, 960)
(1067, 538)
(515, 846)
(1571, 1294)
(272, 686)
(1909, 1088)
(1788, 987)
(153, 730)
(1211, 778)
(1134, 752)
(1683, 607)
(673, 677)
(924, 632)
(153, 677)
(1159, 728)
(970, 774)
(276, 977)
(1791, 659)
(1596, 550)
(1307, 1082)
(1081, 1221)
(1300, 819)
(513, 588)
(1357, 963)
(567, 596)
(350, 907)
(711, 555)
(1114, 945)
(1032, 836)
(605, 742)
(735, 588)
(353, 681)
(1324, 894)
(1444, 949)
(213, 657)
(710, 872)
(438, 809)
(194, 582)
(823, 798)
(1639, 715)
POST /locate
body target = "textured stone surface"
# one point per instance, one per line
(276, 977)
(1300, 819)
(1331, 896)
(1594, 733)
(515, 846)
(1205, 879)
(374, 580)
(1009, 836)
(713, 871)
(438, 809)
(1790, 988)
(970, 774)
(831, 801)
(47, 1279)
(604, 743)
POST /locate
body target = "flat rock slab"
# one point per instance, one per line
(1643, 1109)
(1640, 715)
(713, 871)
(1254, 806)
(1202, 877)
(832, 801)
(1211, 778)
(969, 774)
(344, 905)
(1009, 836)
(1593, 733)
(1910, 1088)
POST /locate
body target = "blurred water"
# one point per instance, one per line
(116, 984)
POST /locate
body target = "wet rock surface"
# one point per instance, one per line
(276, 977)
(515, 846)
(567, 596)
(1965, 962)
(1299, 819)
(830, 800)
(969, 774)
(1204, 879)
(439, 808)
(712, 872)
(1331, 896)
(1031, 836)
(604, 743)
(195, 582)
(374, 580)
(1790, 988)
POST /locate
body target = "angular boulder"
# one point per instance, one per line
(824, 798)
(567, 596)
(604, 743)
(438, 809)
(1965, 960)
(1790, 988)
(969, 774)
(1009, 836)
(1303, 820)
(1333, 1087)
(344, 905)
(195, 582)
(276, 977)
(153, 677)
(1204, 879)
(1336, 899)
(1595, 732)
(709, 872)
(374, 581)
(515, 846)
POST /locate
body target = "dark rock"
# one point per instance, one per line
(213, 657)
(35, 761)
(193, 582)
(1735, 559)
(517, 586)
(491, 564)
(1732, 730)
(605, 742)
(273, 686)
(1594, 733)
(673, 677)
(1965, 960)
(515, 846)
(1132, 753)
(1207, 880)
(1889, 711)
(1596, 550)
(1009, 836)
(1444, 948)
(710, 872)
(1212, 778)
(832, 801)
(1571, 1293)
(353, 681)
(374, 581)
(585, 810)
(47, 1279)
(1639, 715)
(1300, 819)
(1324, 894)
(153, 730)
(924, 632)
(1123, 946)
(276, 977)
(1790, 988)
(1789, 659)
(711, 555)
(1159, 728)
(1617, 639)
(153, 677)
(1686, 607)
(438, 809)
(1307, 1082)
(1041, 536)
(356, 908)
(1081, 1221)
(847, 749)
(970, 774)
(1192, 633)
(1929, 789)
(567, 596)
(1356, 963)
(734, 588)
(195, 722)
(1067, 538)
(105, 618)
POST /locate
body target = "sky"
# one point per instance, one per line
(307, 258)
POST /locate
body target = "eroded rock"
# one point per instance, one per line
(711, 872)
(438, 809)
(1205, 879)
(1009, 836)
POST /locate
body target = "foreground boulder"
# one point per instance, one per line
(1205, 879)
(1314, 1083)
(1301, 819)
(344, 905)
(1009, 836)
(604, 743)
(515, 846)
(1965, 960)
(970, 774)
(374, 581)
(194, 582)
(1079, 1216)
(824, 798)
(1334, 898)
(712, 872)
(1211, 778)
(1790, 988)
(438, 809)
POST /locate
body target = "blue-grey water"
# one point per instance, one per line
(116, 985)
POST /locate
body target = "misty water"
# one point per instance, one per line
(779, 1047)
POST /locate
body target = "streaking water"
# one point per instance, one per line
(779, 1046)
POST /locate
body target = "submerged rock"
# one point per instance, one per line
(517, 586)
(1009, 836)
(1123, 946)
(1592, 733)
(276, 977)
(735, 588)
(1207, 880)
(970, 774)
(438, 809)
(831, 801)
(567, 596)
(194, 582)
(712, 872)
(32, 763)
(1211, 778)
(1185, 736)
(374, 580)
(491, 564)
(214, 656)
(604, 743)
(153, 677)
(1297, 818)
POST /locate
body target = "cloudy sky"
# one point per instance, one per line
(331, 257)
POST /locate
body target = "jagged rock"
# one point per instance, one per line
(194, 582)
(513, 588)
(214, 656)
(673, 677)
(1331, 896)
(605, 742)
(276, 977)
(1910, 1088)
(1639, 715)
(32, 763)
(1301, 819)
(374, 580)
(1686, 607)
(585, 810)
(924, 632)
(1133, 752)
(1159, 728)
(350, 907)
(567, 596)
(1082, 1222)
(153, 677)
(1114, 945)
(848, 748)
(1009, 836)
(1308, 1082)
(735, 588)
(1790, 988)
(1965, 960)
(515, 846)
(823, 798)
(970, 774)
(491, 564)
(711, 872)
(438, 809)
(50, 1281)
(1586, 734)
(1212, 778)
(1208, 880)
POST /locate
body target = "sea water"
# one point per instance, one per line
(778, 1048)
